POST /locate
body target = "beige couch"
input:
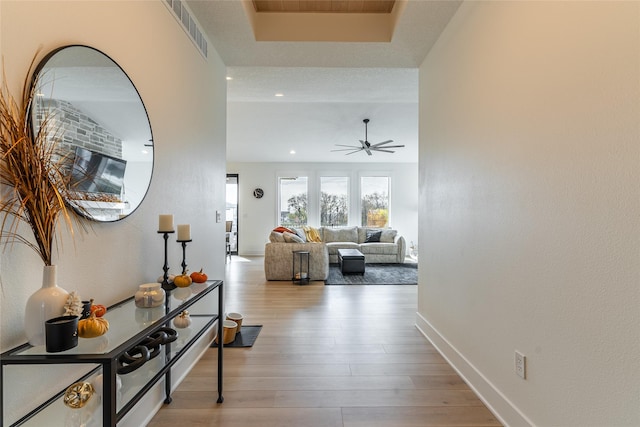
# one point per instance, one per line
(278, 258)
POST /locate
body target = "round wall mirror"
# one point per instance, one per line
(101, 128)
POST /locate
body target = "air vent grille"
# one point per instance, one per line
(189, 24)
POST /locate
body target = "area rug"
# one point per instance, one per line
(245, 338)
(376, 274)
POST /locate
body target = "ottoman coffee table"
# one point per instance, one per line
(351, 261)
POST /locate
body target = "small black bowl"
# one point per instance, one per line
(61, 333)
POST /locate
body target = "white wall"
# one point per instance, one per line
(185, 96)
(529, 207)
(257, 217)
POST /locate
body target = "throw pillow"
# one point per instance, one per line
(388, 236)
(347, 234)
(373, 236)
(276, 237)
(300, 233)
(283, 229)
(312, 234)
(291, 238)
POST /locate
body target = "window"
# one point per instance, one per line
(374, 199)
(293, 201)
(334, 201)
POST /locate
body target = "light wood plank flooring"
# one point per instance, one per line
(327, 356)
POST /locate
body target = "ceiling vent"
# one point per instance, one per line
(183, 15)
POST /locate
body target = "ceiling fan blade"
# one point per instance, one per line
(354, 151)
(344, 145)
(392, 146)
(382, 143)
(384, 151)
(368, 151)
(347, 149)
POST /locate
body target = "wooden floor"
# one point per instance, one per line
(327, 356)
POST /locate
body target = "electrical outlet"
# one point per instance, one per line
(521, 365)
(218, 216)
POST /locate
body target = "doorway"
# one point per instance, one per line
(231, 212)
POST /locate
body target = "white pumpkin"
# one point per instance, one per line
(170, 278)
(183, 320)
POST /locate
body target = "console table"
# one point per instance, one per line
(129, 326)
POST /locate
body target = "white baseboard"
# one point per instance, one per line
(252, 253)
(503, 409)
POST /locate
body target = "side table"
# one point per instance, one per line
(300, 269)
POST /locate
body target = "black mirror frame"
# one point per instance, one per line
(34, 79)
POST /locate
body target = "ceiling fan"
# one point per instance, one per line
(367, 146)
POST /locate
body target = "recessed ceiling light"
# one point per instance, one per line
(145, 152)
(279, 94)
(292, 152)
(229, 78)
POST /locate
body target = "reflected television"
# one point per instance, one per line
(94, 172)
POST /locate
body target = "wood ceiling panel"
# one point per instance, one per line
(333, 6)
(268, 5)
(355, 6)
(314, 5)
(340, 6)
(290, 6)
(377, 6)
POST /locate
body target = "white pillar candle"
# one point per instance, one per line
(166, 223)
(184, 232)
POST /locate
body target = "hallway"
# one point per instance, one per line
(327, 356)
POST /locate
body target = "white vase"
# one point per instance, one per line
(44, 304)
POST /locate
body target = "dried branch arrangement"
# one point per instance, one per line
(32, 179)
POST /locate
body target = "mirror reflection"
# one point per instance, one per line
(103, 128)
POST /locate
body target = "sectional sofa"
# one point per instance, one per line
(376, 244)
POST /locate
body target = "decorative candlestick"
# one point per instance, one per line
(184, 252)
(165, 280)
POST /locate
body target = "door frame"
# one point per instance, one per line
(236, 220)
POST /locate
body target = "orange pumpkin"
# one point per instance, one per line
(182, 281)
(198, 276)
(92, 326)
(99, 309)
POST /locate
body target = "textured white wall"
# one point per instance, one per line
(258, 216)
(185, 96)
(529, 207)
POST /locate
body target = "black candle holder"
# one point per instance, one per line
(165, 279)
(184, 251)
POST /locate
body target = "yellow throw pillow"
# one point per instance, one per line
(312, 234)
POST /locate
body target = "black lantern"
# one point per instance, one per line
(300, 273)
